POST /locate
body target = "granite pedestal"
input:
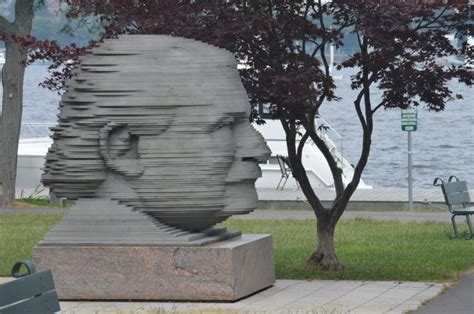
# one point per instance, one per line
(222, 271)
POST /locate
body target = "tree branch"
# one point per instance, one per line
(336, 173)
(319, 45)
(23, 14)
(382, 103)
(6, 27)
(317, 48)
(429, 23)
(285, 125)
(325, 40)
(306, 12)
(299, 172)
(367, 126)
(301, 144)
(360, 115)
(340, 204)
(270, 7)
(359, 40)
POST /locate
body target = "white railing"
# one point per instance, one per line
(35, 130)
(324, 128)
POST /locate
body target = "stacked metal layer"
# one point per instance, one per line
(158, 124)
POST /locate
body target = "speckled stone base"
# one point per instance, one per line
(223, 271)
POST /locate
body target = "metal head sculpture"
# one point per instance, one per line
(158, 124)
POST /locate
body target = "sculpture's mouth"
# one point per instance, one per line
(246, 170)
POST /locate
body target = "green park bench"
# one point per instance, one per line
(31, 292)
(457, 198)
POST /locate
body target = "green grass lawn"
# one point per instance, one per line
(19, 233)
(370, 250)
(37, 202)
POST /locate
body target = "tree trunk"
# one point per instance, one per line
(13, 72)
(12, 81)
(324, 257)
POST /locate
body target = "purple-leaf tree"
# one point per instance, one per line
(399, 45)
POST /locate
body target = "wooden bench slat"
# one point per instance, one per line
(454, 187)
(45, 304)
(457, 198)
(464, 211)
(26, 287)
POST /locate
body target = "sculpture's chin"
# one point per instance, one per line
(240, 198)
(188, 220)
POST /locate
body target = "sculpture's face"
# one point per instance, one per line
(176, 144)
(196, 176)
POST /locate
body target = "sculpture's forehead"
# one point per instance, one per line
(163, 71)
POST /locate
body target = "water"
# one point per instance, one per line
(443, 144)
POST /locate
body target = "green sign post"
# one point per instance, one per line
(409, 124)
(409, 119)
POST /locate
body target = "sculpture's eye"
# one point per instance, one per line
(222, 122)
(252, 159)
(218, 127)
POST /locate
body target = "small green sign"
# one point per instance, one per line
(409, 119)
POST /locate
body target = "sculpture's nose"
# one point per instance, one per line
(250, 149)
(250, 144)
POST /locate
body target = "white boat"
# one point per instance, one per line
(32, 151)
(31, 154)
(331, 64)
(2, 56)
(457, 60)
(317, 169)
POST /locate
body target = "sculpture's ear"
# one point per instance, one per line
(119, 150)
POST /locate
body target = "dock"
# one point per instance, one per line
(362, 199)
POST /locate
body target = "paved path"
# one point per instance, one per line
(457, 300)
(290, 296)
(386, 195)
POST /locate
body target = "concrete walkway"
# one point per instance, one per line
(383, 195)
(290, 296)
